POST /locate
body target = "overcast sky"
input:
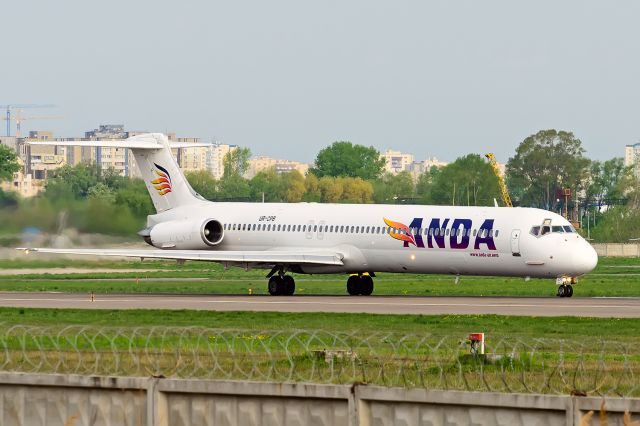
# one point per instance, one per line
(286, 78)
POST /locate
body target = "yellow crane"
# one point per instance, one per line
(503, 186)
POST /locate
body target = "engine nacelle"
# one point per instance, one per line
(185, 234)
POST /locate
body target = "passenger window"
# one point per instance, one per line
(496, 233)
(352, 229)
(315, 228)
(475, 232)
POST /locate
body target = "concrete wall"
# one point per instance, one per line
(617, 250)
(52, 400)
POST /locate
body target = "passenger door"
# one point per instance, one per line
(515, 242)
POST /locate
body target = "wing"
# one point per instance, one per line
(240, 257)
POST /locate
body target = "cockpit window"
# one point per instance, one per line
(535, 231)
(545, 230)
(557, 229)
(568, 228)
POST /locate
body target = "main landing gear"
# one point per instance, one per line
(282, 285)
(360, 285)
(565, 287)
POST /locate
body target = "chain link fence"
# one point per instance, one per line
(510, 364)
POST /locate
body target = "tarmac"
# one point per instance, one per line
(623, 307)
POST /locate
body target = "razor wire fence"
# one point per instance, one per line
(510, 364)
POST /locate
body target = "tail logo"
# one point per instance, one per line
(163, 183)
(400, 231)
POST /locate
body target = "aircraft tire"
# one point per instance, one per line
(561, 291)
(568, 292)
(289, 285)
(354, 285)
(366, 285)
(275, 286)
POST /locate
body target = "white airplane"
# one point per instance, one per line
(358, 240)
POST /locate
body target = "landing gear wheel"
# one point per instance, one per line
(562, 290)
(568, 292)
(276, 286)
(366, 285)
(289, 285)
(353, 285)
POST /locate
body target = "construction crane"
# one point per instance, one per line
(10, 107)
(19, 118)
(503, 186)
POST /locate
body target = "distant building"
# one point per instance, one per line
(262, 163)
(632, 158)
(190, 159)
(10, 141)
(396, 161)
(23, 184)
(215, 158)
(117, 158)
(418, 168)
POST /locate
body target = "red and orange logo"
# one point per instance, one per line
(163, 183)
(400, 231)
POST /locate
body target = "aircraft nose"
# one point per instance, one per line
(585, 258)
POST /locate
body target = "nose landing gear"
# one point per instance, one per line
(565, 289)
(360, 285)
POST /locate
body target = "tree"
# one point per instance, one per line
(544, 163)
(330, 189)
(8, 163)
(394, 188)
(608, 182)
(269, 183)
(312, 188)
(468, 181)
(356, 190)
(203, 183)
(294, 184)
(233, 185)
(425, 183)
(72, 180)
(236, 162)
(345, 159)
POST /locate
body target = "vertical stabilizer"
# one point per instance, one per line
(164, 180)
(152, 151)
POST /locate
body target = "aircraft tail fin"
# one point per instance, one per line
(165, 181)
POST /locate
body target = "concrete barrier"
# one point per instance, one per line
(66, 400)
(617, 249)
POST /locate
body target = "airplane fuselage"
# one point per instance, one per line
(395, 238)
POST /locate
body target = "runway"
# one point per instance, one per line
(526, 306)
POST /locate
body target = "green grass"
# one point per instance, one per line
(595, 355)
(574, 328)
(613, 277)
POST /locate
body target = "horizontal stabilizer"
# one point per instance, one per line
(146, 141)
(254, 257)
